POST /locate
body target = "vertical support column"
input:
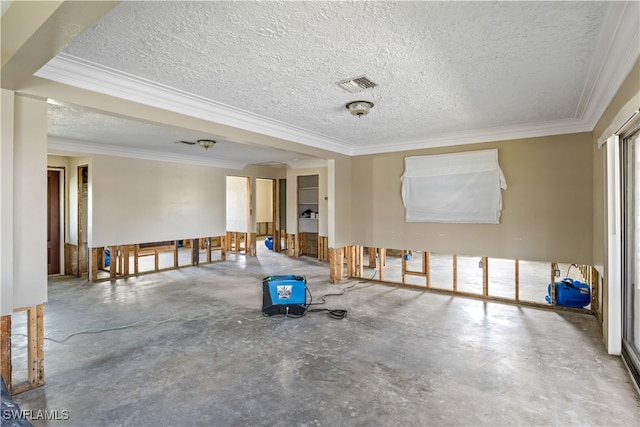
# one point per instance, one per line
(277, 243)
(5, 350)
(195, 252)
(372, 257)
(404, 254)
(175, 254)
(156, 260)
(485, 276)
(336, 256)
(207, 245)
(94, 264)
(455, 273)
(136, 250)
(552, 284)
(360, 260)
(351, 260)
(223, 246)
(517, 279)
(382, 252)
(251, 244)
(113, 266)
(228, 241)
(290, 249)
(121, 260)
(35, 349)
(426, 266)
(593, 283)
(125, 259)
(296, 245)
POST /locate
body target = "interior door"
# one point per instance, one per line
(53, 222)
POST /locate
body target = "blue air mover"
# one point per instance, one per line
(268, 242)
(570, 293)
(284, 295)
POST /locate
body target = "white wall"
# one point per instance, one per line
(237, 199)
(30, 202)
(264, 200)
(6, 203)
(136, 201)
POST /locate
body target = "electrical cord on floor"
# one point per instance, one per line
(337, 314)
(152, 322)
(333, 314)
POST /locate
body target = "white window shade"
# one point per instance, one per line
(459, 188)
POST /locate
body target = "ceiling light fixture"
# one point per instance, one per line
(206, 143)
(359, 108)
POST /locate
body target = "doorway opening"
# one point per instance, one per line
(55, 223)
(83, 219)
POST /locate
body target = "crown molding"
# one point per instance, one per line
(77, 72)
(61, 146)
(617, 51)
(476, 136)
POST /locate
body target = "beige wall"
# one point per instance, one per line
(629, 88)
(546, 212)
(264, 200)
(341, 189)
(135, 201)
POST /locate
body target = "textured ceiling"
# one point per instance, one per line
(73, 130)
(441, 67)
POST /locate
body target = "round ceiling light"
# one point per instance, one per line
(206, 143)
(359, 108)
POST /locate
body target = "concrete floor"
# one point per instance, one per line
(402, 357)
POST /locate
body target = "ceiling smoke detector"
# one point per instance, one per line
(359, 108)
(356, 84)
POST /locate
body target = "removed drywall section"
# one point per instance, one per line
(137, 201)
(546, 212)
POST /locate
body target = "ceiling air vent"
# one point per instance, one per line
(356, 84)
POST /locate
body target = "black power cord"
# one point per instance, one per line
(337, 314)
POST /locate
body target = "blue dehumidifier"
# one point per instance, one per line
(285, 294)
(570, 293)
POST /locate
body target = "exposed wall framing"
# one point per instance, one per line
(240, 242)
(292, 245)
(323, 248)
(5, 350)
(122, 256)
(35, 350)
(264, 228)
(377, 259)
